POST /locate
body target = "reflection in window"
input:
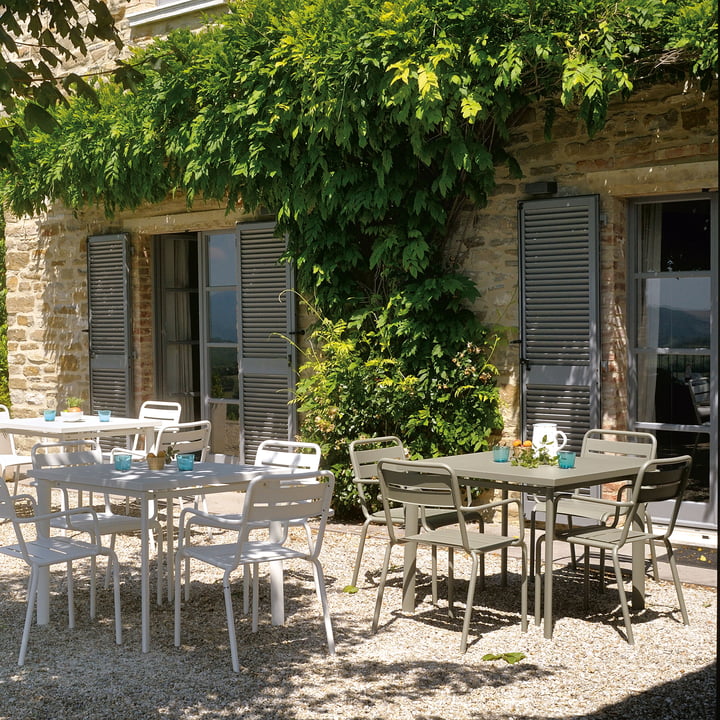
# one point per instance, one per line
(675, 312)
(222, 316)
(223, 372)
(222, 260)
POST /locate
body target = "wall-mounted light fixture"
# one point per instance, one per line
(547, 187)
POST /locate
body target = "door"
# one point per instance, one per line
(674, 388)
(108, 278)
(560, 356)
(249, 314)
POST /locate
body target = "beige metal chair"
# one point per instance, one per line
(9, 457)
(663, 479)
(597, 441)
(41, 552)
(435, 486)
(274, 498)
(364, 456)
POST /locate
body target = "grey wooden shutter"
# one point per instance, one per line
(266, 319)
(559, 245)
(109, 323)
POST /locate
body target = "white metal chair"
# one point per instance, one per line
(364, 456)
(430, 485)
(663, 479)
(598, 441)
(167, 413)
(273, 498)
(9, 457)
(42, 552)
(74, 453)
(279, 454)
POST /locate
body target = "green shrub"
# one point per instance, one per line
(366, 378)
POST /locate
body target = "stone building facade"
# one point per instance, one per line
(660, 143)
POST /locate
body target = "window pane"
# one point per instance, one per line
(665, 229)
(225, 419)
(223, 373)
(674, 313)
(221, 260)
(223, 321)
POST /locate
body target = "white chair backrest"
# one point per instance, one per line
(166, 412)
(191, 437)
(288, 499)
(288, 454)
(619, 442)
(365, 453)
(7, 444)
(69, 453)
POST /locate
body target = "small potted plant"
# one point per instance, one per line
(73, 409)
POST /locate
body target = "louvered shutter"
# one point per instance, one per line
(109, 323)
(559, 314)
(267, 318)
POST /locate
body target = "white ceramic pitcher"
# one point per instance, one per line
(547, 435)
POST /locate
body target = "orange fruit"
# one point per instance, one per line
(73, 409)
(517, 443)
(527, 443)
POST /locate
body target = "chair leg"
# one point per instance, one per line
(469, 603)
(533, 554)
(358, 557)
(573, 557)
(256, 595)
(676, 581)
(93, 586)
(381, 587)
(523, 588)
(113, 559)
(31, 600)
(178, 579)
(434, 575)
(538, 580)
(322, 596)
(623, 597)
(586, 580)
(247, 577)
(108, 570)
(647, 522)
(231, 623)
(451, 581)
(71, 595)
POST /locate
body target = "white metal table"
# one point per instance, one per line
(88, 426)
(147, 486)
(479, 469)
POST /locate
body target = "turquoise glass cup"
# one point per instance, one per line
(122, 461)
(566, 459)
(501, 453)
(185, 461)
(49, 415)
(104, 415)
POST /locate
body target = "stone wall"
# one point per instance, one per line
(662, 141)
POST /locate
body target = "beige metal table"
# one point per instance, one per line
(147, 486)
(480, 470)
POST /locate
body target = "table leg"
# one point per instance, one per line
(504, 531)
(277, 588)
(44, 495)
(170, 546)
(549, 535)
(144, 574)
(410, 559)
(638, 572)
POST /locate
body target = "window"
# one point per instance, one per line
(675, 337)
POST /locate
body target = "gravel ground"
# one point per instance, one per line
(411, 669)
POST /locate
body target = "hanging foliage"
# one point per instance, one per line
(364, 127)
